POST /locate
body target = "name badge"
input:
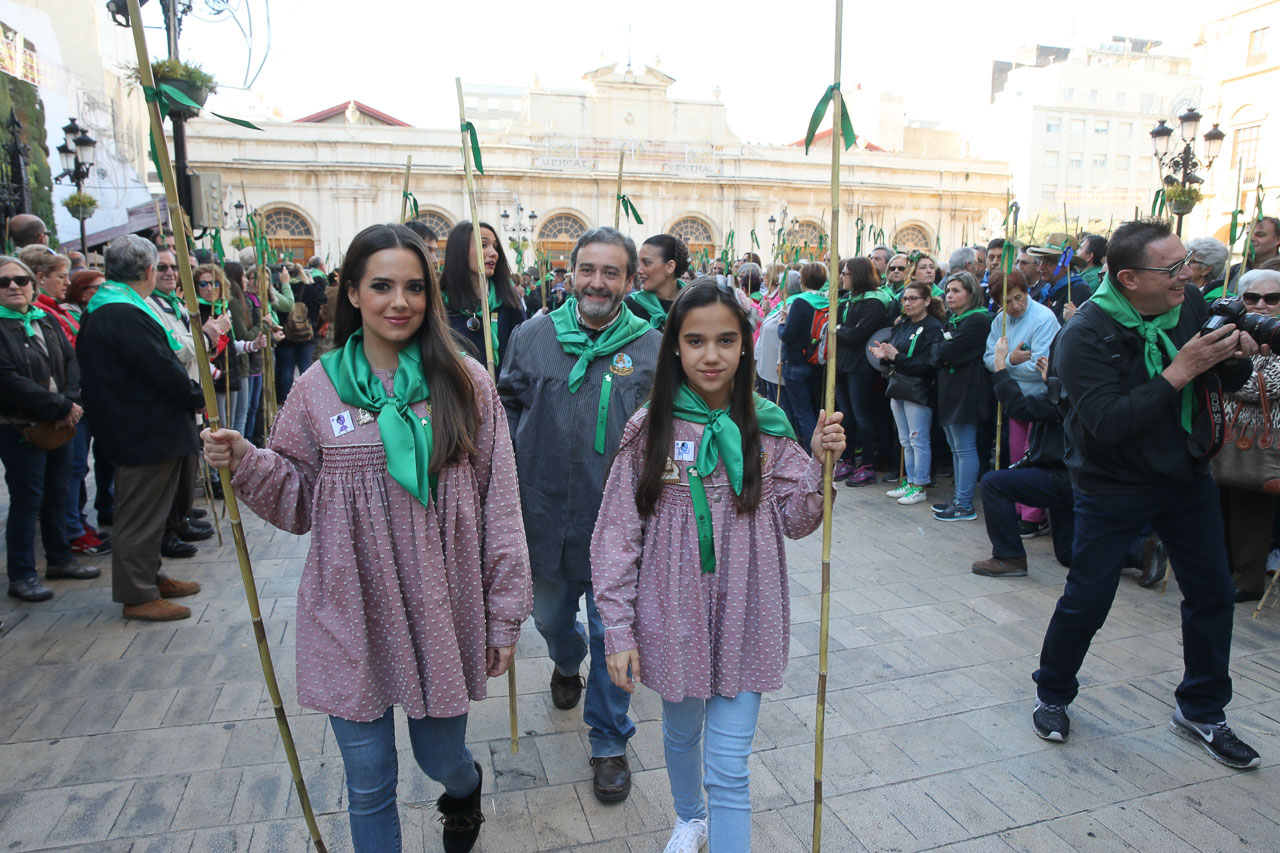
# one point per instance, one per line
(341, 424)
(684, 451)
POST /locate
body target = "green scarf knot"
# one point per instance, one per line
(175, 302)
(650, 302)
(955, 320)
(406, 437)
(113, 292)
(32, 314)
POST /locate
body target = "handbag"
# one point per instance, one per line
(47, 435)
(911, 389)
(1249, 458)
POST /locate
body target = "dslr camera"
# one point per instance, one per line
(1230, 309)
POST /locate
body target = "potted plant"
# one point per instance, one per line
(187, 77)
(1182, 200)
(80, 205)
(240, 243)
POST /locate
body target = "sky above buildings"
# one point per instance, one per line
(770, 61)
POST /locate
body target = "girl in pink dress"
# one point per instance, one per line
(393, 452)
(688, 562)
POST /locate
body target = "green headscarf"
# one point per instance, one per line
(112, 292)
(1153, 334)
(406, 437)
(27, 319)
(721, 442)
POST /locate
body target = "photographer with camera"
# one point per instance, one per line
(1143, 382)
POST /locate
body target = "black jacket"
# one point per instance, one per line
(508, 319)
(858, 322)
(920, 360)
(25, 373)
(137, 393)
(1072, 287)
(1124, 428)
(964, 385)
(310, 293)
(1046, 440)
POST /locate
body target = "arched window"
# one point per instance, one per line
(289, 234)
(910, 237)
(557, 237)
(696, 234)
(438, 223)
(806, 237)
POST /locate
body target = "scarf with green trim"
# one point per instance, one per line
(721, 442)
(26, 319)
(406, 437)
(1153, 333)
(114, 292)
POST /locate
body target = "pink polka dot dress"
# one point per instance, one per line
(700, 635)
(397, 602)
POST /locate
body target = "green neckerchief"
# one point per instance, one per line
(650, 302)
(175, 302)
(879, 294)
(406, 437)
(112, 292)
(1092, 276)
(625, 328)
(1215, 292)
(1153, 333)
(33, 314)
(219, 307)
(816, 298)
(955, 320)
(721, 442)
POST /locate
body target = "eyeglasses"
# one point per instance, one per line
(1250, 298)
(204, 284)
(19, 280)
(166, 267)
(897, 269)
(1172, 271)
(912, 299)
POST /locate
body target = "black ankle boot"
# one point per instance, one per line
(462, 817)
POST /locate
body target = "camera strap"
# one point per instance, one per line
(1210, 425)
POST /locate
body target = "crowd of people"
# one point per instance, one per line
(1065, 386)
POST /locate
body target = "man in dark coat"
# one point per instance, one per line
(143, 407)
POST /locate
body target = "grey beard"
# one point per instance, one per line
(590, 311)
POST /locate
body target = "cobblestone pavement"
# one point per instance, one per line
(121, 736)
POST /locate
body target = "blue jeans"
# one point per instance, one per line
(369, 759)
(291, 355)
(799, 396)
(37, 481)
(1188, 518)
(555, 613)
(730, 726)
(913, 422)
(963, 439)
(251, 391)
(76, 493)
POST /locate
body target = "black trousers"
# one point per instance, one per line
(1050, 488)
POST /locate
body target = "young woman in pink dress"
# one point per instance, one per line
(688, 562)
(393, 452)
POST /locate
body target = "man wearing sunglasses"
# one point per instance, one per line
(1138, 376)
(1061, 289)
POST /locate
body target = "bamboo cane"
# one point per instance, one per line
(617, 206)
(829, 460)
(1271, 587)
(211, 406)
(485, 333)
(267, 412)
(404, 193)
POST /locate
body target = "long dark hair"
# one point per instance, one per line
(668, 377)
(235, 275)
(863, 277)
(454, 419)
(459, 291)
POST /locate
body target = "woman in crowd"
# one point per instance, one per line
(84, 284)
(750, 279)
(461, 289)
(1030, 328)
(964, 387)
(771, 292)
(211, 290)
(732, 615)
(909, 354)
(395, 456)
(768, 345)
(85, 539)
(663, 259)
(1252, 412)
(53, 275)
(1208, 265)
(39, 389)
(924, 270)
(294, 353)
(865, 312)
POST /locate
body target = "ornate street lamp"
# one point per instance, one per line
(1182, 163)
(77, 156)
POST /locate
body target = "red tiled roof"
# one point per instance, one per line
(825, 136)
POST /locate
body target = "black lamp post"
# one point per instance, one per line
(77, 162)
(517, 242)
(1182, 164)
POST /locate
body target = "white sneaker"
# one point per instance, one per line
(689, 836)
(900, 491)
(915, 495)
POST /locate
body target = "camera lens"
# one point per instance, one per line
(1262, 328)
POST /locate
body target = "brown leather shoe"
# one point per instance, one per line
(160, 610)
(566, 690)
(611, 778)
(998, 567)
(170, 588)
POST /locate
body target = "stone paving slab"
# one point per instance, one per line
(123, 737)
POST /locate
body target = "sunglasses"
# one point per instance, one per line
(1272, 299)
(203, 285)
(1172, 271)
(19, 280)
(166, 267)
(897, 269)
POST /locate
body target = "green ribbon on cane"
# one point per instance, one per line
(629, 208)
(413, 202)
(754, 241)
(468, 127)
(168, 98)
(820, 112)
(1158, 203)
